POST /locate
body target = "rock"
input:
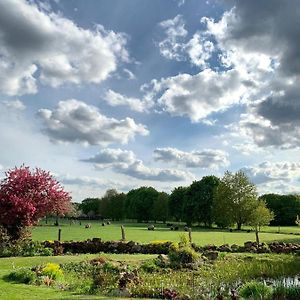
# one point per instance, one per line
(163, 260)
(151, 227)
(211, 255)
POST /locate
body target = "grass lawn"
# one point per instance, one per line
(139, 233)
(13, 291)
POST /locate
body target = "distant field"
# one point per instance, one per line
(138, 232)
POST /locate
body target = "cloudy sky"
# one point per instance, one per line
(120, 94)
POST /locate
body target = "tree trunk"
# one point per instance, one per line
(239, 226)
(256, 235)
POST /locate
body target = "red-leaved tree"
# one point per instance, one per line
(27, 196)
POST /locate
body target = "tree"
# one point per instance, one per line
(112, 205)
(161, 207)
(139, 203)
(285, 207)
(26, 196)
(260, 216)
(198, 201)
(90, 206)
(234, 200)
(176, 202)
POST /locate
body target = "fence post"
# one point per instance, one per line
(59, 234)
(190, 235)
(123, 233)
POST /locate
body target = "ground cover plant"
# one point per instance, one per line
(146, 276)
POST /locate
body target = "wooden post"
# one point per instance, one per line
(123, 233)
(190, 235)
(59, 234)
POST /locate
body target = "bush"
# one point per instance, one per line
(255, 291)
(182, 254)
(52, 270)
(22, 275)
(150, 266)
(286, 293)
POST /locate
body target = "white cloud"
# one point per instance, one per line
(172, 47)
(253, 40)
(125, 162)
(208, 158)
(198, 49)
(116, 99)
(198, 96)
(33, 39)
(273, 171)
(14, 104)
(129, 74)
(76, 121)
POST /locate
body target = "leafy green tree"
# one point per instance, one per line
(176, 203)
(90, 206)
(285, 207)
(234, 200)
(105, 206)
(139, 203)
(161, 207)
(260, 216)
(117, 211)
(198, 201)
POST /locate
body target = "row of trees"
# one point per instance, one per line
(231, 200)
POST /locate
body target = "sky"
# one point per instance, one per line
(122, 94)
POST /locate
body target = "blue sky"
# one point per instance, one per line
(122, 94)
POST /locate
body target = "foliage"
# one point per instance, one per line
(176, 202)
(235, 199)
(255, 291)
(22, 275)
(26, 196)
(139, 203)
(90, 206)
(282, 292)
(260, 216)
(24, 247)
(52, 270)
(182, 254)
(198, 201)
(112, 205)
(285, 208)
(161, 207)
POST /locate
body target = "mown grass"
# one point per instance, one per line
(138, 232)
(12, 291)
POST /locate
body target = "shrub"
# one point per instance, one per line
(182, 254)
(52, 270)
(22, 275)
(255, 291)
(150, 266)
(286, 293)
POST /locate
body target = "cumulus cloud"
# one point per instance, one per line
(208, 158)
(197, 50)
(198, 96)
(37, 44)
(273, 171)
(252, 38)
(125, 162)
(115, 99)
(172, 46)
(77, 122)
(14, 104)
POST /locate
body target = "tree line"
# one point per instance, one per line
(228, 201)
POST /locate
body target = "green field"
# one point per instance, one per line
(138, 232)
(13, 291)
